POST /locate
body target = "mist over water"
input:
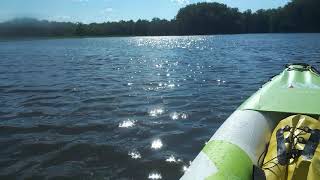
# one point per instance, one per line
(128, 108)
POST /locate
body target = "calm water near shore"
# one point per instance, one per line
(128, 108)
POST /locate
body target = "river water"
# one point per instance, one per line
(128, 108)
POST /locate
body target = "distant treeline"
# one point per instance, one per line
(195, 19)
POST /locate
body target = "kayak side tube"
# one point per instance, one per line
(235, 147)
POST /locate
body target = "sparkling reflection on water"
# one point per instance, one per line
(128, 108)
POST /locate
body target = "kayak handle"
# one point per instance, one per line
(301, 67)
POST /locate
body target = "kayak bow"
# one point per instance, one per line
(242, 139)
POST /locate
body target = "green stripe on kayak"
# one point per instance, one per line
(232, 162)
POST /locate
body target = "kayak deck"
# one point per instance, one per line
(295, 90)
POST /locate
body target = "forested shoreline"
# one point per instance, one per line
(298, 16)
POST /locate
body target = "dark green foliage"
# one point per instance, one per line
(195, 19)
(32, 27)
(209, 18)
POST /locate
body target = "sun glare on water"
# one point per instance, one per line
(154, 176)
(156, 112)
(156, 144)
(127, 123)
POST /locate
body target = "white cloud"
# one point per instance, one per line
(81, 1)
(107, 10)
(59, 18)
(181, 2)
(63, 17)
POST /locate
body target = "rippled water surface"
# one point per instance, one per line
(128, 108)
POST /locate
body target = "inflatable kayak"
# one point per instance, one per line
(273, 135)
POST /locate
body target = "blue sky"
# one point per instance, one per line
(88, 11)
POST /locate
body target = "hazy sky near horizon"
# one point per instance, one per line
(88, 11)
